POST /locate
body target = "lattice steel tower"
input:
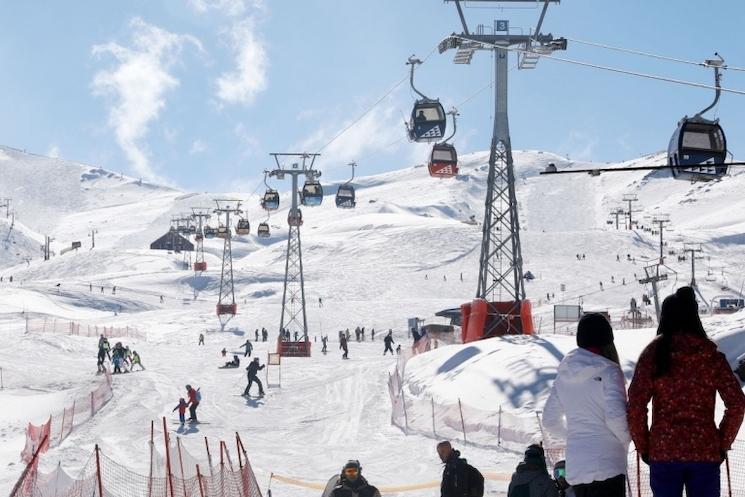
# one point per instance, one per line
(226, 306)
(293, 316)
(200, 214)
(501, 265)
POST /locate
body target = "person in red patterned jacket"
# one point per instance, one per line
(681, 371)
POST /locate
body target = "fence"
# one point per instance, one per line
(62, 327)
(515, 429)
(60, 425)
(104, 477)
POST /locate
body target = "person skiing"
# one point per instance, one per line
(586, 409)
(343, 345)
(681, 372)
(136, 361)
(372, 335)
(531, 478)
(351, 483)
(181, 410)
(194, 399)
(101, 358)
(324, 341)
(459, 479)
(248, 347)
(253, 368)
(117, 357)
(264, 334)
(256, 335)
(398, 349)
(201, 339)
(388, 341)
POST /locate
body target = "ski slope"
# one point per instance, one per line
(399, 254)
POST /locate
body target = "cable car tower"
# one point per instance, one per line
(226, 306)
(199, 214)
(293, 318)
(501, 265)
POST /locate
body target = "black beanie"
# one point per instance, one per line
(594, 330)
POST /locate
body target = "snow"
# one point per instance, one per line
(374, 266)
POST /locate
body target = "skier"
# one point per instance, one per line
(264, 334)
(161, 299)
(90, 287)
(388, 341)
(320, 302)
(113, 290)
(194, 398)
(248, 347)
(181, 410)
(459, 479)
(117, 356)
(256, 335)
(343, 345)
(398, 349)
(296, 336)
(201, 339)
(136, 360)
(224, 352)
(351, 483)
(531, 478)
(253, 368)
(324, 341)
(101, 357)
(372, 335)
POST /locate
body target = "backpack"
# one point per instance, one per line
(475, 482)
(199, 399)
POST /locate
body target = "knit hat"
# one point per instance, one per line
(534, 455)
(594, 330)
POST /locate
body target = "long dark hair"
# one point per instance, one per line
(679, 315)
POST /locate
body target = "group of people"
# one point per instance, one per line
(195, 397)
(123, 359)
(680, 372)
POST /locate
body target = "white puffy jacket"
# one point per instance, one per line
(587, 409)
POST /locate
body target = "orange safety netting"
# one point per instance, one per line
(53, 325)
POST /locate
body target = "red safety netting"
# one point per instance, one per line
(63, 327)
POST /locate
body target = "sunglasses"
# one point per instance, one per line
(560, 473)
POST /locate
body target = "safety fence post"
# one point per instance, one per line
(434, 429)
(92, 407)
(638, 476)
(150, 474)
(199, 482)
(222, 471)
(181, 464)
(62, 427)
(729, 479)
(98, 472)
(499, 427)
(209, 458)
(168, 456)
(462, 423)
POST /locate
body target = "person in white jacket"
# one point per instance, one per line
(586, 409)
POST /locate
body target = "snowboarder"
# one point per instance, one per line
(388, 341)
(343, 345)
(253, 368)
(352, 483)
(234, 363)
(248, 347)
(194, 398)
(136, 360)
(256, 335)
(531, 478)
(181, 410)
(459, 479)
(201, 339)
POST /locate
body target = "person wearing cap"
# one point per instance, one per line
(586, 410)
(459, 479)
(531, 478)
(681, 372)
(351, 483)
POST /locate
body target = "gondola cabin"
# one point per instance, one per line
(223, 232)
(243, 227)
(428, 121)
(311, 194)
(443, 162)
(345, 198)
(295, 220)
(263, 230)
(698, 150)
(209, 232)
(727, 304)
(270, 201)
(192, 230)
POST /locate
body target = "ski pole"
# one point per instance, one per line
(729, 480)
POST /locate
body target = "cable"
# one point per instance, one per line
(611, 69)
(370, 109)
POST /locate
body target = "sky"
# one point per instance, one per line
(196, 93)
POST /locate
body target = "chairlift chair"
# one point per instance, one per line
(698, 148)
(345, 196)
(263, 230)
(428, 120)
(243, 227)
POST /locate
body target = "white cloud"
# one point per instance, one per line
(138, 83)
(197, 147)
(249, 143)
(227, 7)
(248, 79)
(53, 151)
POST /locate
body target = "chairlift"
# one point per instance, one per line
(295, 220)
(243, 227)
(210, 232)
(312, 193)
(428, 120)
(698, 148)
(345, 196)
(263, 230)
(443, 161)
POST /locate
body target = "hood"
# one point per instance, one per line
(580, 365)
(525, 473)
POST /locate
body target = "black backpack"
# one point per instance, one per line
(475, 481)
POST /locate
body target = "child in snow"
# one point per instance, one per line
(181, 410)
(136, 361)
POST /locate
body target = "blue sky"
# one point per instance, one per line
(196, 93)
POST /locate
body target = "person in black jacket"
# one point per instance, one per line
(459, 479)
(388, 341)
(353, 484)
(253, 368)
